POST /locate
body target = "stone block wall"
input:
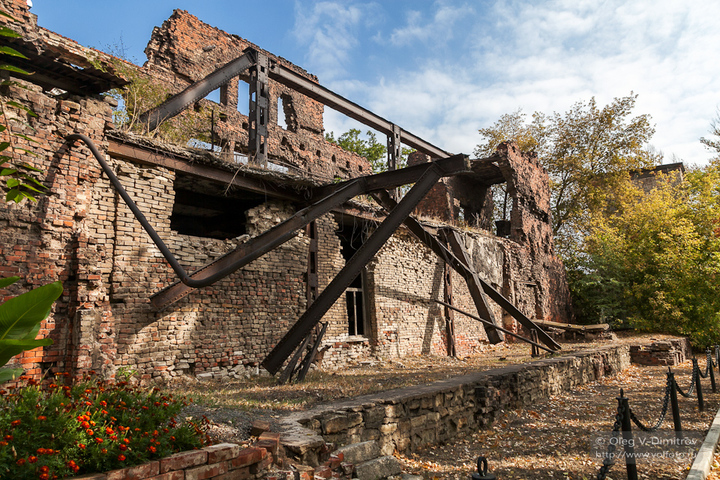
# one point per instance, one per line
(414, 417)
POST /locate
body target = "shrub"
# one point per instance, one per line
(53, 431)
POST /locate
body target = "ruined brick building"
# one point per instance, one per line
(122, 306)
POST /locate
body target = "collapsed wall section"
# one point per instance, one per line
(184, 50)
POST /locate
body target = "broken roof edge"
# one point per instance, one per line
(55, 60)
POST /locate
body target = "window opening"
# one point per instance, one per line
(352, 235)
(214, 96)
(281, 120)
(201, 208)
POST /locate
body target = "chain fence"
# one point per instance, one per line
(625, 415)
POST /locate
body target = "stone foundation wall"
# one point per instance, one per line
(414, 417)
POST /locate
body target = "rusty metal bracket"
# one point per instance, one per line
(352, 268)
(259, 111)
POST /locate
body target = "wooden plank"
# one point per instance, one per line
(600, 327)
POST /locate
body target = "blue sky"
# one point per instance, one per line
(444, 69)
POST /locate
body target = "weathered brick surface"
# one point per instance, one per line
(183, 460)
(139, 472)
(85, 236)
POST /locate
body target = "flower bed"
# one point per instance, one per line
(50, 431)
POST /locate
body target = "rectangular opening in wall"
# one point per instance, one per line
(352, 233)
(243, 97)
(203, 208)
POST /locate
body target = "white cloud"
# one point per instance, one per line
(329, 29)
(547, 56)
(439, 28)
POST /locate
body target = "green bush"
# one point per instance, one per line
(52, 431)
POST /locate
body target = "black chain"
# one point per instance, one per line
(707, 371)
(609, 461)
(666, 401)
(691, 390)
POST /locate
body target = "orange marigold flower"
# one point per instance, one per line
(87, 390)
(172, 439)
(121, 457)
(40, 451)
(44, 476)
(85, 425)
(3, 443)
(152, 449)
(21, 462)
(113, 437)
(104, 412)
(103, 451)
(103, 403)
(15, 423)
(88, 403)
(32, 459)
(42, 418)
(81, 446)
(109, 430)
(126, 440)
(99, 440)
(44, 469)
(8, 437)
(89, 432)
(122, 447)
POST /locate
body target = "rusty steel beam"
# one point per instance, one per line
(198, 90)
(382, 181)
(485, 322)
(255, 247)
(383, 198)
(273, 362)
(331, 99)
(286, 230)
(135, 153)
(473, 283)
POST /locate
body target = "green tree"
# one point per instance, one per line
(585, 150)
(653, 261)
(374, 151)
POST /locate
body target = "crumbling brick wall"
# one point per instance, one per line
(185, 50)
(83, 234)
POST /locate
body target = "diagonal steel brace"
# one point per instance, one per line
(273, 362)
(383, 198)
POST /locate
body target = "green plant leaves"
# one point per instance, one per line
(7, 374)
(20, 319)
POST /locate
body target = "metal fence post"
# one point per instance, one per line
(630, 464)
(711, 369)
(698, 385)
(674, 403)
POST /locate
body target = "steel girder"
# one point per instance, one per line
(383, 198)
(198, 90)
(301, 329)
(282, 232)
